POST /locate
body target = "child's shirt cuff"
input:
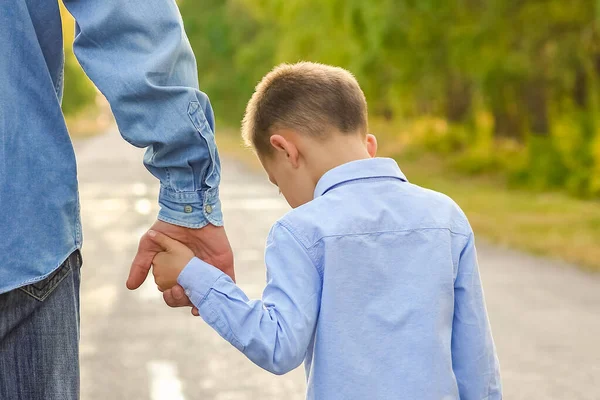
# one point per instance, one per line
(197, 279)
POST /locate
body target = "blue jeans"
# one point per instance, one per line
(39, 337)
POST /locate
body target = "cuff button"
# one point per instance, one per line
(208, 208)
(187, 209)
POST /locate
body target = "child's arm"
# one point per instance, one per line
(474, 358)
(274, 333)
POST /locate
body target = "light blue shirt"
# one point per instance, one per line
(374, 285)
(137, 54)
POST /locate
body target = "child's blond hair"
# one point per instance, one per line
(307, 97)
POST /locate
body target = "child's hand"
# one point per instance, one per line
(168, 264)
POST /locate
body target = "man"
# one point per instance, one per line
(137, 54)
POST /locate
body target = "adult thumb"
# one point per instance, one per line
(140, 266)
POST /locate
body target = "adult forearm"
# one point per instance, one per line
(137, 54)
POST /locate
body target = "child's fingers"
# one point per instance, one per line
(195, 312)
(160, 259)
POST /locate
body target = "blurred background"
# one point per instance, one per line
(493, 102)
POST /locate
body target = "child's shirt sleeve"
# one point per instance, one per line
(273, 333)
(474, 359)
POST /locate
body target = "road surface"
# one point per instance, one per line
(545, 315)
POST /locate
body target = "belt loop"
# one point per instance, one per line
(75, 259)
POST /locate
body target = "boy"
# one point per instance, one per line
(371, 281)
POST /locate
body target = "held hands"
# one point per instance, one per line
(168, 264)
(210, 244)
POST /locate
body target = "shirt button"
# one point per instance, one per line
(188, 293)
(208, 208)
(187, 209)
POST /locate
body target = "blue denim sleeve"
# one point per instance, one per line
(138, 55)
(474, 358)
(273, 333)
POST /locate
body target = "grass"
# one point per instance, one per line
(549, 224)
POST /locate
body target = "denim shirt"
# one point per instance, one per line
(374, 285)
(136, 52)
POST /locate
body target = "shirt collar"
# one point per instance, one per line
(359, 169)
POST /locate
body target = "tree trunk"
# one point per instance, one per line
(458, 98)
(506, 124)
(580, 89)
(536, 104)
(507, 120)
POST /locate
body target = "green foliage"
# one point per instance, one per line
(497, 86)
(233, 51)
(79, 92)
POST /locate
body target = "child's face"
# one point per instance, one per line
(289, 173)
(297, 161)
(294, 183)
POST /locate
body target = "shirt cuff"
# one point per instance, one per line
(190, 209)
(197, 279)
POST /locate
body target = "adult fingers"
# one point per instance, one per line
(174, 299)
(142, 262)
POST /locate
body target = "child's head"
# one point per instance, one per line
(304, 119)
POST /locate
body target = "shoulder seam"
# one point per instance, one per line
(288, 227)
(295, 235)
(389, 231)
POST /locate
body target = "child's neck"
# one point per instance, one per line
(334, 152)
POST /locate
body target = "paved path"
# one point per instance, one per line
(545, 315)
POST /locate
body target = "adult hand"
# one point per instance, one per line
(210, 244)
(175, 297)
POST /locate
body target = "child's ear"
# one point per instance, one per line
(278, 142)
(371, 145)
(286, 148)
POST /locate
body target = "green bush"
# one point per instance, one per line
(79, 93)
(508, 88)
